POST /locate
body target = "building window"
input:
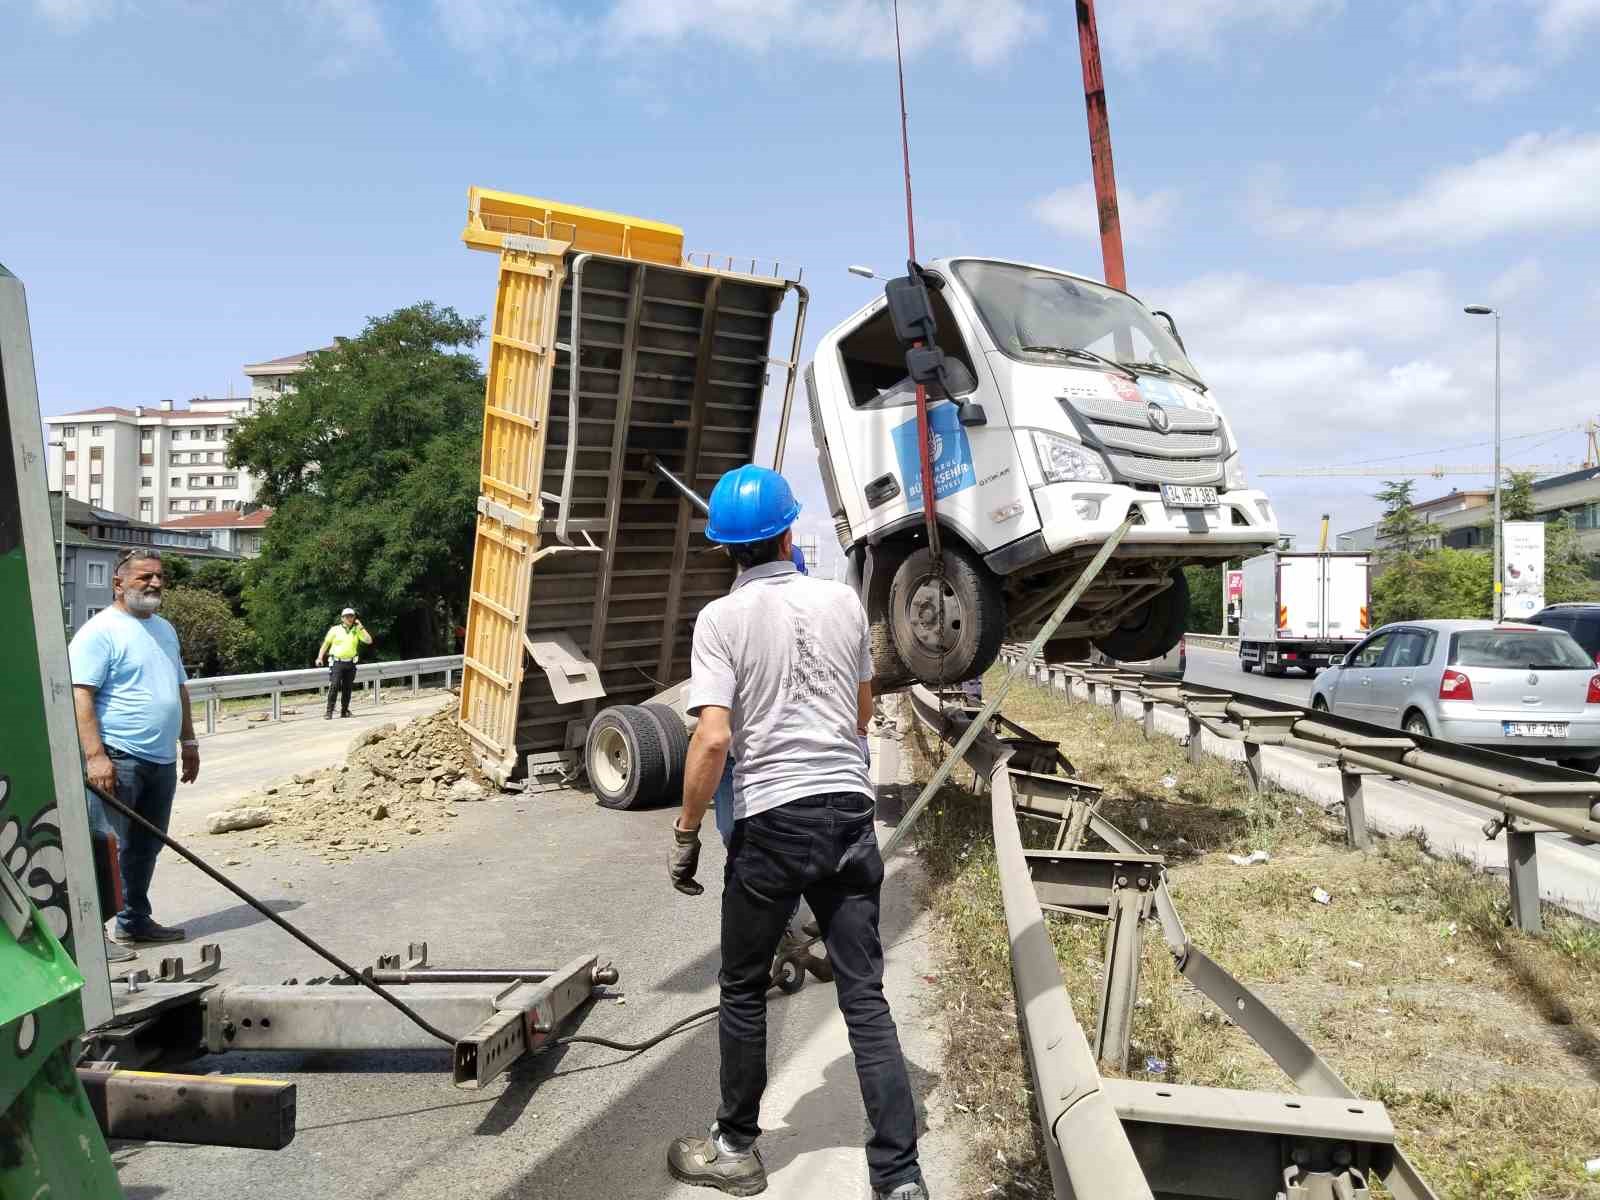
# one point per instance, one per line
(147, 435)
(96, 453)
(176, 481)
(211, 503)
(146, 507)
(147, 460)
(72, 456)
(69, 480)
(145, 481)
(174, 506)
(96, 430)
(90, 611)
(211, 433)
(230, 481)
(69, 431)
(94, 574)
(194, 434)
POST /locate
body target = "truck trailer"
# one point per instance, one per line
(619, 361)
(1303, 609)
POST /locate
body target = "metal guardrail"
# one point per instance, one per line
(1212, 641)
(213, 691)
(1525, 797)
(1123, 1139)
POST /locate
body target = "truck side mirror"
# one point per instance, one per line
(910, 309)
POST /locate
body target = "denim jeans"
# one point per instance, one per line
(823, 848)
(147, 788)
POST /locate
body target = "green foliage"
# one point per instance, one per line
(1402, 534)
(176, 570)
(1516, 497)
(1566, 565)
(1433, 584)
(1205, 599)
(212, 639)
(224, 577)
(371, 467)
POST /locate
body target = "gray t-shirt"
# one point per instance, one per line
(786, 654)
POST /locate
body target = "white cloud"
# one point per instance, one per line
(1072, 211)
(69, 16)
(347, 34)
(983, 31)
(1564, 23)
(1135, 31)
(1540, 183)
(495, 32)
(1480, 82)
(1516, 281)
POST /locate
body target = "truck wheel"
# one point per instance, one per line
(1152, 630)
(1588, 766)
(674, 747)
(624, 758)
(889, 671)
(967, 638)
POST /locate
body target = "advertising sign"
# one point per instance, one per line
(1524, 556)
(949, 449)
(1235, 586)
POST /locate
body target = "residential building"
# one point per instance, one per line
(157, 463)
(237, 532)
(1461, 520)
(94, 538)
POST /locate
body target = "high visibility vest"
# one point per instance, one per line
(345, 643)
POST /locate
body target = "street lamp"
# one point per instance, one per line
(1483, 310)
(864, 272)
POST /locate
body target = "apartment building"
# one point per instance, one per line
(236, 532)
(162, 462)
(1460, 520)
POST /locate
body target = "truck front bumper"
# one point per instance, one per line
(1074, 516)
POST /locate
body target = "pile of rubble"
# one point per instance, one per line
(395, 782)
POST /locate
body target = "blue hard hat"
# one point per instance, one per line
(750, 504)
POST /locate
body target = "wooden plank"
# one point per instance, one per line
(691, 468)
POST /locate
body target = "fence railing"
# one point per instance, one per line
(1524, 796)
(274, 684)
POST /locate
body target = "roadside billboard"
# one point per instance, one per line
(1524, 558)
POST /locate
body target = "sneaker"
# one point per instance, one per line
(327, 716)
(701, 1162)
(147, 931)
(116, 953)
(347, 714)
(906, 1191)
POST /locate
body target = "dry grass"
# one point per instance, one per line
(1484, 1043)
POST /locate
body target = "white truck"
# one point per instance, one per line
(1303, 609)
(1071, 404)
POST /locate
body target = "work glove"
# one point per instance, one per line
(685, 860)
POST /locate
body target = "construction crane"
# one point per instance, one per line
(1433, 472)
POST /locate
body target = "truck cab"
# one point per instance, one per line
(1070, 405)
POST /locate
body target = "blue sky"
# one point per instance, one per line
(1312, 187)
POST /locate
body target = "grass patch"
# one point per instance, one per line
(1484, 1043)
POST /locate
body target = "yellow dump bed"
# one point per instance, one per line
(587, 572)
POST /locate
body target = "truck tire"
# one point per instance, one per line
(674, 746)
(974, 616)
(1152, 630)
(889, 671)
(624, 758)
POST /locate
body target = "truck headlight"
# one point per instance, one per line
(1233, 479)
(1065, 461)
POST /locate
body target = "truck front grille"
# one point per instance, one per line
(1190, 450)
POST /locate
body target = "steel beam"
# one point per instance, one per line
(1119, 984)
(202, 1110)
(526, 1016)
(327, 1016)
(1522, 859)
(1355, 810)
(1252, 766)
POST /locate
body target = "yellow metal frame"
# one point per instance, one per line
(494, 216)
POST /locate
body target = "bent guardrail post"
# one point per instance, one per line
(1355, 809)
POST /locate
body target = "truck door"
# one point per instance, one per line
(978, 483)
(1300, 598)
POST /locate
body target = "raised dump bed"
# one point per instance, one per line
(587, 571)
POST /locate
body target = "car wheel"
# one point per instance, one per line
(946, 629)
(1589, 766)
(1417, 724)
(1318, 704)
(1152, 630)
(623, 755)
(1246, 665)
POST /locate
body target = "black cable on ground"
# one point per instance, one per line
(178, 848)
(676, 1027)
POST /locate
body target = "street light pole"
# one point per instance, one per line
(1483, 310)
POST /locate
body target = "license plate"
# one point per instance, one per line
(1535, 729)
(1176, 495)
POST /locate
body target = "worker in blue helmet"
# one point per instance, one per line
(781, 676)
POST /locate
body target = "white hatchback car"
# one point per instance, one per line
(1517, 689)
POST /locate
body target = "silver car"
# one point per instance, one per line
(1518, 689)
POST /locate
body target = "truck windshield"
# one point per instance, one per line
(1518, 649)
(1034, 315)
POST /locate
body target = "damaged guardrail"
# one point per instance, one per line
(273, 684)
(1120, 1138)
(1525, 797)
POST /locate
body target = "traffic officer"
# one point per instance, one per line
(781, 674)
(342, 647)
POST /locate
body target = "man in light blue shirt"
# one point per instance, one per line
(132, 705)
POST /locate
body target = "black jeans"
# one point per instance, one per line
(147, 788)
(822, 848)
(341, 678)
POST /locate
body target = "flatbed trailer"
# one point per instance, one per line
(611, 350)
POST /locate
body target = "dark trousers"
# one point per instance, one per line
(823, 848)
(147, 788)
(341, 678)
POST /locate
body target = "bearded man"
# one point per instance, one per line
(132, 703)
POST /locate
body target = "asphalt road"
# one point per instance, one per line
(520, 880)
(1220, 668)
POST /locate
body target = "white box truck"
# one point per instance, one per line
(1302, 610)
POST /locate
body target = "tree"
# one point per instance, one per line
(1435, 584)
(1402, 534)
(1516, 497)
(224, 577)
(212, 639)
(1205, 599)
(371, 467)
(1566, 566)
